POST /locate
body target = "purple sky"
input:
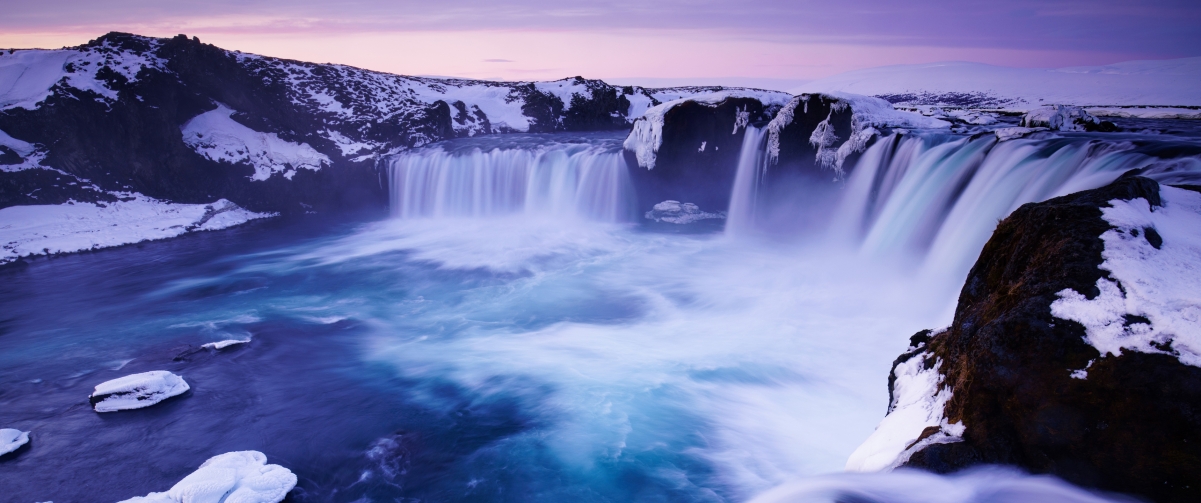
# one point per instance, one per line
(709, 39)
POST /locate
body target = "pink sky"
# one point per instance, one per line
(717, 40)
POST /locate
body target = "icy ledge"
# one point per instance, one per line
(233, 477)
(48, 229)
(1149, 303)
(915, 416)
(137, 390)
(11, 440)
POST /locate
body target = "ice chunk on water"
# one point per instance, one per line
(11, 440)
(233, 477)
(675, 212)
(137, 391)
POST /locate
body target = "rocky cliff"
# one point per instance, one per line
(1075, 350)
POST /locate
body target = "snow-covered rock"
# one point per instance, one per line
(915, 416)
(675, 212)
(1153, 255)
(225, 343)
(12, 439)
(136, 391)
(63, 228)
(216, 136)
(233, 477)
(1060, 118)
(647, 134)
(1157, 83)
(1011, 133)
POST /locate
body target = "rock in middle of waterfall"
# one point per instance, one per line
(675, 212)
(137, 390)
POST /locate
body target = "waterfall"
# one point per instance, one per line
(937, 196)
(748, 178)
(536, 176)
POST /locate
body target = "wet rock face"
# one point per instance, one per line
(1133, 424)
(698, 157)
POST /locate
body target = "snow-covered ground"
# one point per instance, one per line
(241, 477)
(63, 228)
(215, 135)
(1151, 304)
(1162, 87)
(137, 390)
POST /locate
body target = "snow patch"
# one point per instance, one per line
(1012, 133)
(1059, 118)
(28, 77)
(224, 344)
(675, 212)
(63, 228)
(216, 136)
(914, 421)
(233, 477)
(136, 391)
(1149, 302)
(11, 440)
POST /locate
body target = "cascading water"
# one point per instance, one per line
(546, 175)
(937, 196)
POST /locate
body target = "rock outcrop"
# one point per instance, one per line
(1074, 349)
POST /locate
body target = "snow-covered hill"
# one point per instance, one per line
(127, 119)
(1163, 89)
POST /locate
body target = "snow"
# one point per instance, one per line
(225, 343)
(564, 89)
(976, 85)
(1010, 133)
(675, 212)
(233, 477)
(62, 228)
(919, 398)
(136, 391)
(1159, 284)
(1193, 113)
(647, 135)
(1058, 118)
(215, 135)
(27, 77)
(11, 440)
(346, 145)
(31, 156)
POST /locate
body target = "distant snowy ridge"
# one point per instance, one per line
(1167, 83)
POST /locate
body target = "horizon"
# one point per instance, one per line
(715, 43)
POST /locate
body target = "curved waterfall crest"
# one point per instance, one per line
(580, 178)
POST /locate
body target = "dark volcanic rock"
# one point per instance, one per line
(698, 156)
(1132, 425)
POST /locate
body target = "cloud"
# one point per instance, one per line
(499, 61)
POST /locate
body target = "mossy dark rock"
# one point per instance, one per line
(1133, 425)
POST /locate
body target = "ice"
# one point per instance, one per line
(11, 440)
(215, 135)
(919, 397)
(1153, 84)
(225, 343)
(1151, 255)
(136, 391)
(63, 228)
(233, 477)
(1011, 133)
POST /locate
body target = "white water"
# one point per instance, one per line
(582, 180)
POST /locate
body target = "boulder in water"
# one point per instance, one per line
(1065, 118)
(12, 439)
(1075, 350)
(675, 212)
(242, 477)
(137, 390)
